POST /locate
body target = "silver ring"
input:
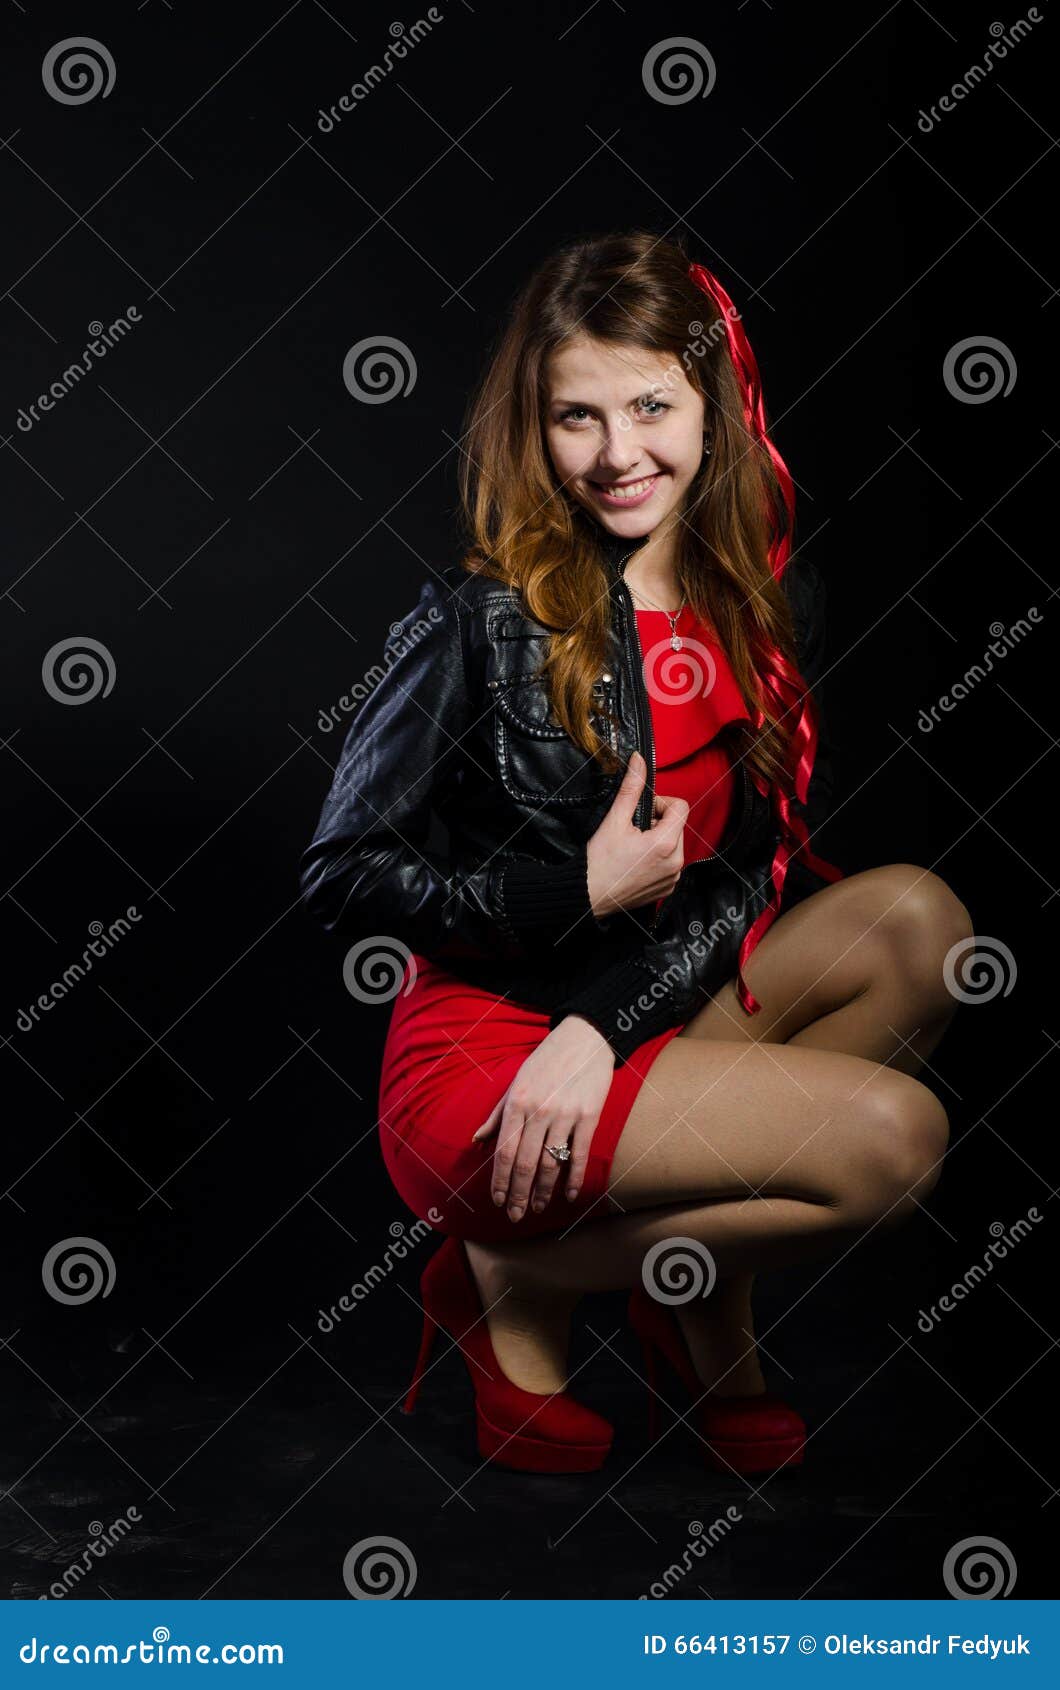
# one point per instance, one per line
(560, 1151)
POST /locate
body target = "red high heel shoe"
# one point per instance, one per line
(749, 1434)
(516, 1428)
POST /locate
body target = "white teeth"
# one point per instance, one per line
(632, 491)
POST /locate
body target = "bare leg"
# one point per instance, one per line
(882, 996)
(765, 1156)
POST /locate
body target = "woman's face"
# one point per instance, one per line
(624, 428)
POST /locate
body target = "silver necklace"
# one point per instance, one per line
(676, 641)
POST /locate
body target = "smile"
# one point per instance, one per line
(626, 493)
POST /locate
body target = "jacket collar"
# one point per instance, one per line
(616, 549)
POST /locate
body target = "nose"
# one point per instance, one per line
(619, 454)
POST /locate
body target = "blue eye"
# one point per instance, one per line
(575, 411)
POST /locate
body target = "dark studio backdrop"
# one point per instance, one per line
(227, 532)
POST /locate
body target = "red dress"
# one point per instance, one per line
(452, 1050)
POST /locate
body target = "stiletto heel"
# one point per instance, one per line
(426, 1345)
(749, 1434)
(525, 1430)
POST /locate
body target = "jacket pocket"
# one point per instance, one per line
(537, 761)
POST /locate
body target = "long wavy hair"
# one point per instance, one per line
(626, 290)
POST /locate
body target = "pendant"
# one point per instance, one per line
(676, 642)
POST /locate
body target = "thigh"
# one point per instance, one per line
(720, 1119)
(830, 948)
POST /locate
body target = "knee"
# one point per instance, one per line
(903, 1133)
(922, 926)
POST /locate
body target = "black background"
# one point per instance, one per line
(214, 507)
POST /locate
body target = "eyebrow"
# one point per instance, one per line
(645, 393)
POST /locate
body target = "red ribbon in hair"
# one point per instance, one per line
(783, 680)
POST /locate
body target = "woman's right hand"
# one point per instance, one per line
(629, 865)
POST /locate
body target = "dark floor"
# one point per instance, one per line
(273, 1453)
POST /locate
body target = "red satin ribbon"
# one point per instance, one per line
(784, 678)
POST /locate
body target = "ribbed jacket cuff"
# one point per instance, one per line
(626, 1001)
(542, 902)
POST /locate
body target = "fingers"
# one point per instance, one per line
(492, 1121)
(550, 1170)
(625, 800)
(511, 1127)
(515, 1158)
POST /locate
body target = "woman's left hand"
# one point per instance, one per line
(556, 1097)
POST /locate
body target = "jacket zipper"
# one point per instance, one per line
(642, 814)
(645, 737)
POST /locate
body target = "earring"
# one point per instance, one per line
(707, 447)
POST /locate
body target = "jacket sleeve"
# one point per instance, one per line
(369, 869)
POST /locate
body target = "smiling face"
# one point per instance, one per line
(624, 428)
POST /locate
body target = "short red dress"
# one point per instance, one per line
(452, 1050)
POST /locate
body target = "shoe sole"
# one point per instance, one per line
(745, 1457)
(536, 1455)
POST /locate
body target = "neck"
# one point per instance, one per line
(647, 564)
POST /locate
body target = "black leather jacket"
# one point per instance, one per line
(457, 731)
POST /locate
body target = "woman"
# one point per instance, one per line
(629, 1036)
